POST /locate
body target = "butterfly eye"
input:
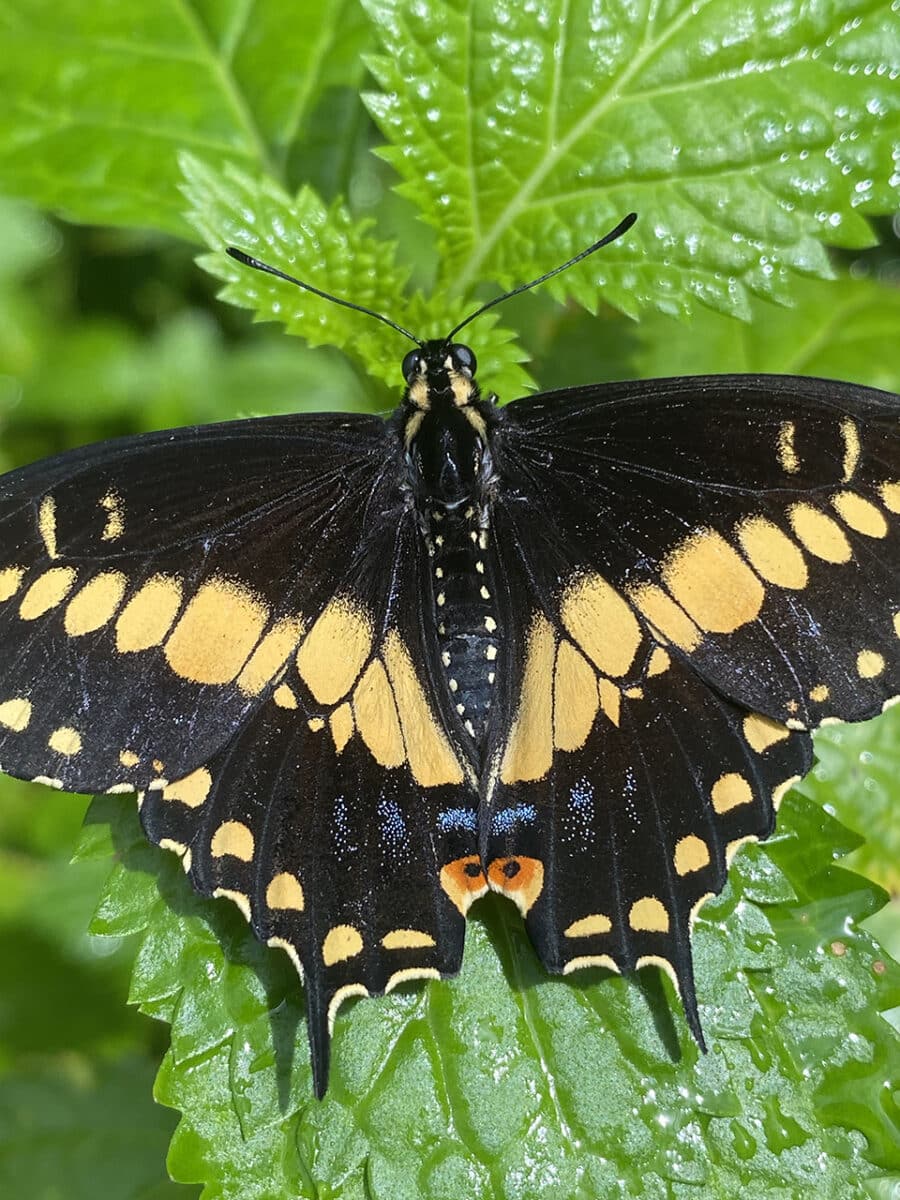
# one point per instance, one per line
(410, 365)
(464, 359)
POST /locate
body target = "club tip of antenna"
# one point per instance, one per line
(241, 257)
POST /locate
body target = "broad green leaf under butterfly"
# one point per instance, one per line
(745, 139)
(503, 1084)
(97, 102)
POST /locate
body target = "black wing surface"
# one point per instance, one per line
(229, 621)
(691, 574)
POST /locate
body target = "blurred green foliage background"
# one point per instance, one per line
(108, 326)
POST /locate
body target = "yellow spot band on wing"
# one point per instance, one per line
(284, 697)
(603, 624)
(772, 554)
(869, 664)
(115, 521)
(529, 751)
(890, 496)
(376, 716)
(691, 854)
(46, 592)
(575, 698)
(65, 740)
(216, 633)
(589, 926)
(407, 939)
(649, 915)
(341, 722)
(850, 434)
(712, 583)
(335, 650)
(610, 700)
(821, 535)
(860, 514)
(10, 580)
(147, 617)
(270, 656)
(431, 758)
(762, 732)
(94, 605)
(669, 622)
(47, 525)
(784, 448)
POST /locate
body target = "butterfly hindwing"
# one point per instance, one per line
(686, 587)
(328, 854)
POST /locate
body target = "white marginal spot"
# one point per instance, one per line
(238, 898)
(342, 994)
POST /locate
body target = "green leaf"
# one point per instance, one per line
(326, 247)
(506, 1084)
(79, 1131)
(857, 778)
(836, 330)
(96, 100)
(744, 138)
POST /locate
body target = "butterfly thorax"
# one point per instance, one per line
(447, 439)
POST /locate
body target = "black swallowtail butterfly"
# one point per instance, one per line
(361, 671)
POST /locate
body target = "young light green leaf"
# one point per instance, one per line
(743, 139)
(97, 100)
(325, 247)
(506, 1084)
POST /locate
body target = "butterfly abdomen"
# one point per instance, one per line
(467, 627)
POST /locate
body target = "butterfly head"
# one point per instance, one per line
(445, 423)
(440, 375)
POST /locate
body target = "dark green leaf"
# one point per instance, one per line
(97, 100)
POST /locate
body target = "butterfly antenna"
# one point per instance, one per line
(623, 226)
(249, 261)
